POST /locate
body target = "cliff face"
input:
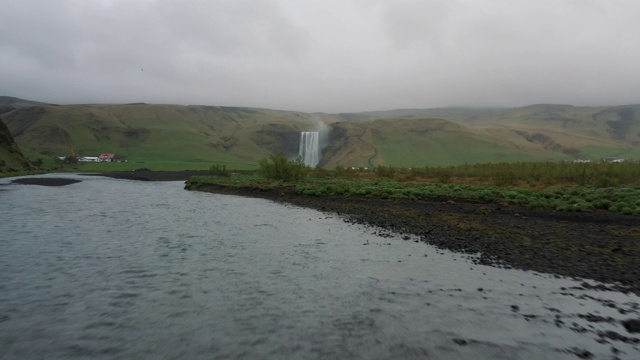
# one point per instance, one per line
(11, 158)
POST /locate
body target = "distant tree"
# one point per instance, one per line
(278, 167)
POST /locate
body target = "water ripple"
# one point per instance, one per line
(148, 270)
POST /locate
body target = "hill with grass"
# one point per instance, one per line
(171, 137)
(562, 131)
(11, 158)
(160, 136)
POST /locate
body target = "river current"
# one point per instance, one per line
(108, 268)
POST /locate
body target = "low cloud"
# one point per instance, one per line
(328, 56)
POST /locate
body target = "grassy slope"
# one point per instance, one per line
(171, 137)
(595, 132)
(434, 142)
(586, 132)
(159, 136)
(11, 158)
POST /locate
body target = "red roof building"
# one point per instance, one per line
(108, 157)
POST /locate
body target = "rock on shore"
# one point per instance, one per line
(45, 181)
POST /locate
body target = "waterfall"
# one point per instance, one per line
(309, 147)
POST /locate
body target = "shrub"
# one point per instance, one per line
(539, 204)
(602, 204)
(486, 195)
(278, 167)
(219, 170)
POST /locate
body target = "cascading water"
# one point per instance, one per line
(310, 147)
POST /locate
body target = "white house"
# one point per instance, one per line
(88, 159)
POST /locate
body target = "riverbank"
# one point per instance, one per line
(599, 245)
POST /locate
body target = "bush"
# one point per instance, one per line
(539, 204)
(219, 170)
(486, 195)
(278, 167)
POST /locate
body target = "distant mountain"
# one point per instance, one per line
(196, 136)
(13, 101)
(11, 158)
(8, 103)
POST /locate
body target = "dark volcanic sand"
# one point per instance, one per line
(603, 246)
(45, 181)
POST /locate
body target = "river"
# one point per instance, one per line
(109, 268)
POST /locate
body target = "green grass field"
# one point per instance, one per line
(597, 153)
(407, 150)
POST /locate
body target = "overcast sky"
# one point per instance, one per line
(322, 55)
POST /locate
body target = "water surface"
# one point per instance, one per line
(110, 268)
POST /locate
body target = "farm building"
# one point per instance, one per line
(108, 157)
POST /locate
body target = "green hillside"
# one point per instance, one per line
(11, 158)
(173, 137)
(411, 149)
(422, 142)
(578, 132)
(159, 136)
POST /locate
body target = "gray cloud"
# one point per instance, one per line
(322, 55)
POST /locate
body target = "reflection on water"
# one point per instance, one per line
(119, 269)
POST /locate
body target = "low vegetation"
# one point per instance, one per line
(219, 170)
(576, 187)
(278, 167)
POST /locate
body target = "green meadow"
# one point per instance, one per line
(402, 150)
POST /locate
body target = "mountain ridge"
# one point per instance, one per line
(198, 135)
